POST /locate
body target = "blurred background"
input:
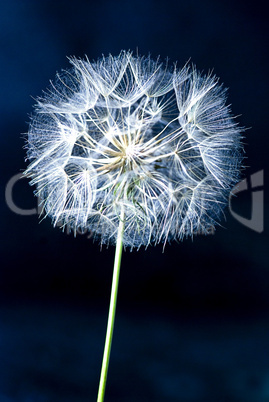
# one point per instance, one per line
(192, 323)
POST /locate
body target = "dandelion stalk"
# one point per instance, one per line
(112, 310)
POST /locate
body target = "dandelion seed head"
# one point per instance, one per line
(133, 134)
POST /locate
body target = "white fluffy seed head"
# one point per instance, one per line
(129, 133)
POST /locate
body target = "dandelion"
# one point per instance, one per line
(134, 151)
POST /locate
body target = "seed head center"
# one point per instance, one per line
(130, 151)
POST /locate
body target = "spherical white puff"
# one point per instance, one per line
(132, 134)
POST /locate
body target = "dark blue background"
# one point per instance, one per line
(193, 322)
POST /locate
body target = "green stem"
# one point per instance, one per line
(112, 310)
